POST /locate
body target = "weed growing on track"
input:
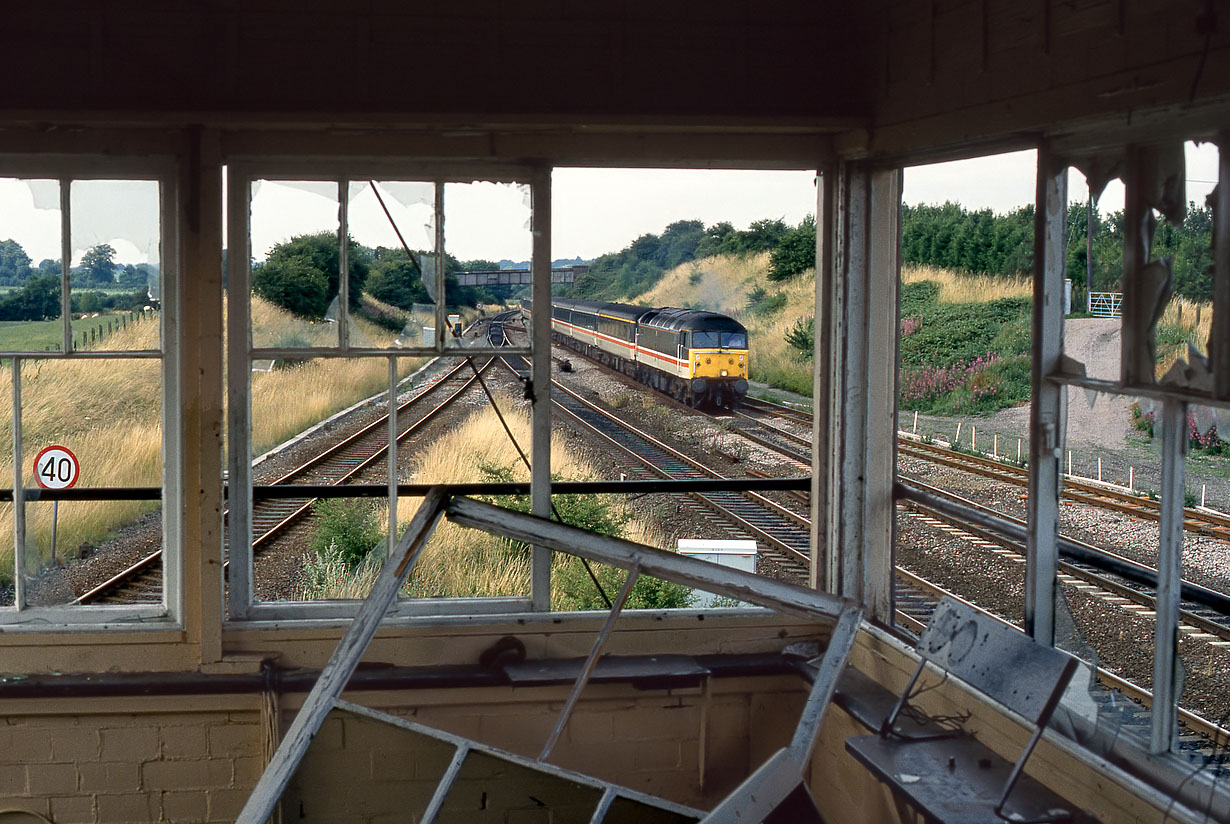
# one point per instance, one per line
(109, 414)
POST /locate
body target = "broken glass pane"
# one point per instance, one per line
(295, 264)
(30, 252)
(393, 222)
(489, 244)
(116, 270)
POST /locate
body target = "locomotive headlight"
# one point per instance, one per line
(708, 361)
(725, 373)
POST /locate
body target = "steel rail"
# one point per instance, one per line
(145, 566)
(791, 554)
(1069, 549)
(1144, 599)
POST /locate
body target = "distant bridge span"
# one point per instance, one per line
(517, 277)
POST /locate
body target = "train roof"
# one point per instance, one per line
(623, 311)
(693, 319)
(668, 317)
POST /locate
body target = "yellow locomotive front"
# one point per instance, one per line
(717, 360)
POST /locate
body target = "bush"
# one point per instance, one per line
(348, 529)
(802, 339)
(301, 275)
(293, 284)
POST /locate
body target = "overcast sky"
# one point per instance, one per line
(595, 210)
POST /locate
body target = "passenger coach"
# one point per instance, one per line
(697, 357)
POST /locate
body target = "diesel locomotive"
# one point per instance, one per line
(697, 357)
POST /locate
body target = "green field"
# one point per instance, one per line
(44, 335)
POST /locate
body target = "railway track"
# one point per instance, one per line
(1195, 618)
(783, 533)
(358, 454)
(1102, 496)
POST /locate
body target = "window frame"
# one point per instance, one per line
(241, 173)
(168, 613)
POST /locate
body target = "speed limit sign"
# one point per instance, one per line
(56, 467)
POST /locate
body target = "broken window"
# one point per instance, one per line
(85, 277)
(335, 435)
(1124, 412)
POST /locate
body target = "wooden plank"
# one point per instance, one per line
(620, 792)
(658, 563)
(239, 390)
(343, 662)
(883, 279)
(841, 642)
(1046, 414)
(446, 784)
(588, 669)
(540, 365)
(604, 804)
(821, 437)
(760, 793)
(1169, 579)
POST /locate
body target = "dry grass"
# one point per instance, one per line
(1183, 321)
(719, 284)
(726, 284)
(460, 562)
(109, 414)
(960, 288)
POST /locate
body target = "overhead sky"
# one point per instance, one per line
(595, 210)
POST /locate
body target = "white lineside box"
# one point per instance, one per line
(740, 555)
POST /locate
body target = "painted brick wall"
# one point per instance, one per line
(142, 765)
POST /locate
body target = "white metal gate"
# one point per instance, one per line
(1106, 304)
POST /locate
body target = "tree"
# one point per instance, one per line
(300, 257)
(796, 252)
(98, 265)
(294, 283)
(395, 279)
(38, 299)
(14, 263)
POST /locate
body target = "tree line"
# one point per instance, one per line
(38, 294)
(976, 241)
(979, 241)
(641, 264)
(302, 275)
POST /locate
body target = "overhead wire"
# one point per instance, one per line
(490, 398)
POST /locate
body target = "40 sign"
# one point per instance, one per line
(56, 467)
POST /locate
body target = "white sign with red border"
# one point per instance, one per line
(56, 467)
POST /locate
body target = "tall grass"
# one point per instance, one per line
(961, 288)
(109, 414)
(460, 562)
(1183, 321)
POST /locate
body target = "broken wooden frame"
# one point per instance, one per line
(767, 788)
